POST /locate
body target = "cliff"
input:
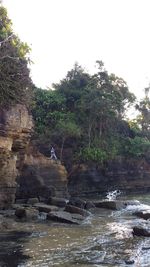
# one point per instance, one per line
(23, 170)
(41, 177)
(15, 131)
(127, 175)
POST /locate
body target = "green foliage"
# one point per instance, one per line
(48, 108)
(144, 118)
(137, 147)
(84, 111)
(15, 85)
(68, 129)
(93, 154)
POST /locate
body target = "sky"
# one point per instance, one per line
(62, 32)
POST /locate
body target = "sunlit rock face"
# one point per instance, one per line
(16, 126)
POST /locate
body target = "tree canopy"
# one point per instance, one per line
(86, 113)
(16, 84)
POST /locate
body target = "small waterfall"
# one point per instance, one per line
(112, 195)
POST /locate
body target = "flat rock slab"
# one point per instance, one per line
(114, 204)
(63, 216)
(45, 208)
(55, 201)
(73, 209)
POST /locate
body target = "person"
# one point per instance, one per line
(53, 155)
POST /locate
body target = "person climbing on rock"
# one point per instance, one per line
(53, 155)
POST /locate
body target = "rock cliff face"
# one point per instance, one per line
(129, 176)
(15, 130)
(21, 169)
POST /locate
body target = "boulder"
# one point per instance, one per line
(80, 203)
(62, 216)
(60, 202)
(142, 214)
(27, 213)
(73, 209)
(45, 208)
(33, 201)
(141, 231)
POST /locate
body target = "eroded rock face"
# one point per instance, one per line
(15, 130)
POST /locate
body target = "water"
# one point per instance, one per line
(112, 195)
(103, 240)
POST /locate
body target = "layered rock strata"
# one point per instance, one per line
(15, 131)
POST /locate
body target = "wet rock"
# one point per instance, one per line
(45, 208)
(7, 213)
(112, 205)
(27, 213)
(3, 223)
(141, 231)
(33, 201)
(142, 214)
(129, 261)
(77, 217)
(73, 209)
(131, 202)
(80, 203)
(60, 202)
(89, 205)
(21, 201)
(145, 248)
(62, 216)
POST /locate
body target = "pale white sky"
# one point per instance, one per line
(61, 32)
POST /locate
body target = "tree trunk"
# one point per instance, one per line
(61, 150)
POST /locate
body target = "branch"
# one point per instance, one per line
(14, 58)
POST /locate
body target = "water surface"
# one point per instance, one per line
(103, 240)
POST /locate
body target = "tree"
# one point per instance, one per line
(67, 129)
(16, 84)
(90, 107)
(144, 108)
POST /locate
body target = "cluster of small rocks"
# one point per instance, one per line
(72, 211)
